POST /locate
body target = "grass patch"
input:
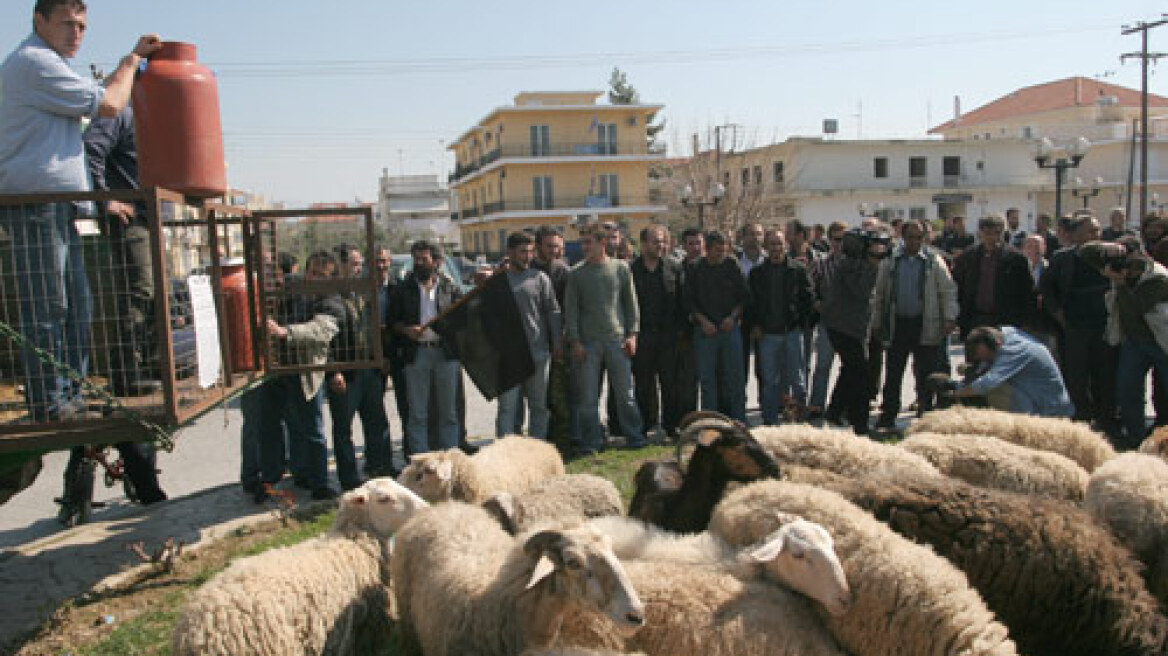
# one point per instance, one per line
(619, 466)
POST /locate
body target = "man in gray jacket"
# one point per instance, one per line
(914, 310)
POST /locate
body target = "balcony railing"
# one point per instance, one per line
(918, 181)
(561, 203)
(558, 149)
(951, 180)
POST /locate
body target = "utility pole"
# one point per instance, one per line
(1144, 56)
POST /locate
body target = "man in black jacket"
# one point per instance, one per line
(717, 295)
(657, 279)
(994, 287)
(429, 360)
(780, 310)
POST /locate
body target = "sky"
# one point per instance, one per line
(318, 97)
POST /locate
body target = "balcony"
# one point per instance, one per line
(951, 180)
(558, 149)
(918, 181)
(594, 202)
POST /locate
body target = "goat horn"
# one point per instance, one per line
(702, 414)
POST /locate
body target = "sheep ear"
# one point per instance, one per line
(708, 436)
(767, 551)
(445, 470)
(543, 569)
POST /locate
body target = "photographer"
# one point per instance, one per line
(1137, 321)
(1020, 369)
(846, 314)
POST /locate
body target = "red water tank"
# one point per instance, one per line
(176, 117)
(235, 310)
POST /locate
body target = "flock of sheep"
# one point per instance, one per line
(983, 533)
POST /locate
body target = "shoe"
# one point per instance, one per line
(324, 493)
(250, 487)
(578, 454)
(468, 448)
(260, 495)
(637, 444)
(886, 423)
(302, 483)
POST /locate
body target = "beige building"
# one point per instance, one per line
(552, 158)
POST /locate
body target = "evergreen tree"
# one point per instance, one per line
(621, 92)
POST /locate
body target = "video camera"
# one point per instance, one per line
(858, 243)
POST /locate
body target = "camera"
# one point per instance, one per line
(1115, 262)
(858, 243)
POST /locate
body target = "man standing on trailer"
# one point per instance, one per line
(42, 102)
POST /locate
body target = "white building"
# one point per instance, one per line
(416, 207)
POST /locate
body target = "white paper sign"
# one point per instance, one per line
(207, 352)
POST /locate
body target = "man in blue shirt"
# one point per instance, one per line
(1020, 365)
(42, 102)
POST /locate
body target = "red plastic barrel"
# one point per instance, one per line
(235, 310)
(176, 117)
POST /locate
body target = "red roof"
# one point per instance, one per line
(1060, 94)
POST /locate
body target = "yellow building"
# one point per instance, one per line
(553, 158)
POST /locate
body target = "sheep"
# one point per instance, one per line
(725, 452)
(463, 585)
(799, 555)
(707, 611)
(1072, 439)
(1061, 583)
(1157, 443)
(906, 600)
(511, 464)
(1129, 495)
(986, 461)
(839, 451)
(326, 595)
(567, 498)
(577, 651)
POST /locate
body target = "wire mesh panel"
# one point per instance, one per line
(319, 300)
(108, 315)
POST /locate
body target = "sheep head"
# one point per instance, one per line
(505, 510)
(430, 475)
(726, 447)
(379, 507)
(801, 556)
(579, 564)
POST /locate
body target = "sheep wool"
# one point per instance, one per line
(1129, 495)
(1072, 439)
(702, 610)
(1157, 443)
(907, 601)
(839, 451)
(512, 464)
(567, 499)
(986, 461)
(1061, 583)
(323, 596)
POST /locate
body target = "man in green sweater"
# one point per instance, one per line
(1137, 320)
(601, 324)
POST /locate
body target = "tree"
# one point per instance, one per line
(621, 92)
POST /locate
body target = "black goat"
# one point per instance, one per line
(682, 501)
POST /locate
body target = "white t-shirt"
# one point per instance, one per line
(429, 307)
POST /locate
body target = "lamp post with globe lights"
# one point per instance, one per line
(1087, 192)
(714, 195)
(1047, 156)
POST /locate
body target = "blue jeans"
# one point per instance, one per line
(534, 389)
(606, 353)
(364, 396)
(56, 306)
(283, 399)
(430, 367)
(1136, 357)
(720, 370)
(780, 356)
(824, 355)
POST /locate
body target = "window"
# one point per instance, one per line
(541, 141)
(951, 170)
(917, 213)
(918, 171)
(609, 186)
(502, 239)
(1027, 132)
(880, 167)
(606, 138)
(745, 176)
(757, 174)
(779, 175)
(541, 193)
(726, 178)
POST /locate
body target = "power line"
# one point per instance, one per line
(1144, 56)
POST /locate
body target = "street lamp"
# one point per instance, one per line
(1068, 158)
(1081, 190)
(715, 195)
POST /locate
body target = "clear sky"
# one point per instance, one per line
(318, 97)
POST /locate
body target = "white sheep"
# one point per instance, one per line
(1157, 443)
(463, 585)
(571, 498)
(693, 610)
(1072, 439)
(907, 601)
(800, 555)
(577, 651)
(1129, 495)
(986, 461)
(326, 595)
(839, 451)
(512, 464)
